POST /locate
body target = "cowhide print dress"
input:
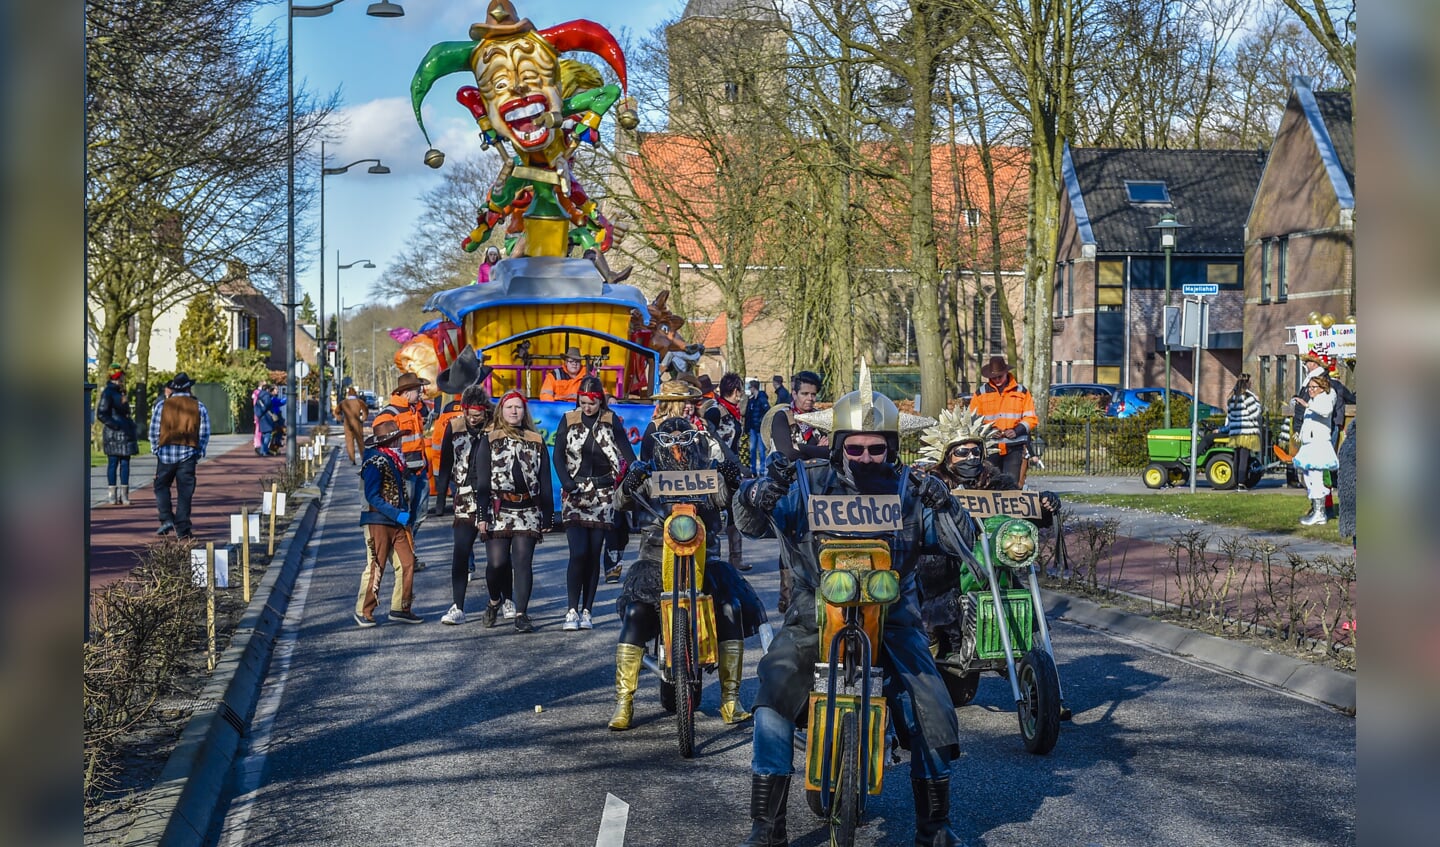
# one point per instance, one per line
(590, 451)
(513, 487)
(465, 444)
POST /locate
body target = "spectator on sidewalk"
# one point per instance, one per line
(782, 394)
(264, 422)
(756, 405)
(1317, 452)
(1242, 425)
(386, 521)
(1009, 408)
(120, 440)
(352, 412)
(407, 412)
(255, 415)
(180, 434)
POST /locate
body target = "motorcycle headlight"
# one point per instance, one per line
(839, 587)
(683, 529)
(882, 586)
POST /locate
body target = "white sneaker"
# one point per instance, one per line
(572, 621)
(585, 620)
(508, 610)
(454, 617)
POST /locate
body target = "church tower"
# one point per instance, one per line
(726, 64)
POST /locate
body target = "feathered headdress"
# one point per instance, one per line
(952, 428)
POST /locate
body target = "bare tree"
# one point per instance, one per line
(432, 259)
(1332, 24)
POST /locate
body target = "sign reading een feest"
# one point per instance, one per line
(684, 483)
(855, 513)
(988, 504)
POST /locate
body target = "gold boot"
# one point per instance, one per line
(627, 679)
(732, 663)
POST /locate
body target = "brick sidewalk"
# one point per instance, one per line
(120, 534)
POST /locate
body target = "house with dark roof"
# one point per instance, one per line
(1110, 279)
(1300, 236)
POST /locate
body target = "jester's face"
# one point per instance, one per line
(519, 80)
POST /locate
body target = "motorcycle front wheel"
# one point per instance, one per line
(1039, 701)
(846, 801)
(682, 665)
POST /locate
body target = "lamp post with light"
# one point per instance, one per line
(374, 10)
(1168, 227)
(376, 168)
(339, 299)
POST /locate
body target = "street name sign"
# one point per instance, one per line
(1200, 289)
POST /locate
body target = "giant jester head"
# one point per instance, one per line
(518, 90)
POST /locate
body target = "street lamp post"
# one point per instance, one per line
(1168, 227)
(376, 168)
(364, 263)
(375, 10)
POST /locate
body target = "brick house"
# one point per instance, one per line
(1109, 288)
(1300, 235)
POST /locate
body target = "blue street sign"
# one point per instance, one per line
(1200, 289)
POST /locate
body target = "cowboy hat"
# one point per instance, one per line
(572, 353)
(996, 365)
(500, 19)
(181, 382)
(383, 433)
(464, 372)
(676, 389)
(409, 382)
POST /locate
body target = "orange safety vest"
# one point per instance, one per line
(411, 421)
(560, 388)
(1009, 406)
(437, 437)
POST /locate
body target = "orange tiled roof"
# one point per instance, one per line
(712, 333)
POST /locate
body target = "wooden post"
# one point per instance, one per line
(210, 603)
(274, 501)
(245, 551)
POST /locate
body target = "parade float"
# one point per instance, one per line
(535, 105)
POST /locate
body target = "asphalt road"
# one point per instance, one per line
(410, 735)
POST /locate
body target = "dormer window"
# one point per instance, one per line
(1147, 192)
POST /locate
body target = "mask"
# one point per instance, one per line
(968, 469)
(874, 477)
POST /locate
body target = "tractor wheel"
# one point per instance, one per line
(1220, 471)
(1155, 475)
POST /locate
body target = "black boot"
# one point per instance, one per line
(768, 795)
(932, 813)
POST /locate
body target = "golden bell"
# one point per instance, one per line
(1350, 319)
(1313, 317)
(1327, 320)
(434, 158)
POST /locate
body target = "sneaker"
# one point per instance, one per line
(492, 614)
(585, 622)
(454, 617)
(471, 576)
(572, 621)
(420, 566)
(362, 621)
(522, 623)
(508, 610)
(406, 617)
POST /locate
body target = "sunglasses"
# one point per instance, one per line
(675, 439)
(572, 361)
(965, 451)
(858, 450)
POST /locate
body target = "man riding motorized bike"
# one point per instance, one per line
(679, 446)
(864, 459)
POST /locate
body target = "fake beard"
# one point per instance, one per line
(873, 477)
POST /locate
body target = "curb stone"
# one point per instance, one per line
(1314, 682)
(179, 811)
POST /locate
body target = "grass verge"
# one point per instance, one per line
(1262, 510)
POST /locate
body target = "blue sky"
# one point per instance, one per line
(370, 61)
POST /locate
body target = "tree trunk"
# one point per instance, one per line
(923, 260)
(146, 313)
(734, 323)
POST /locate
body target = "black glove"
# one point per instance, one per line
(782, 470)
(1049, 502)
(766, 493)
(732, 473)
(932, 492)
(570, 488)
(635, 477)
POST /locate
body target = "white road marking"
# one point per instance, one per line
(250, 768)
(612, 822)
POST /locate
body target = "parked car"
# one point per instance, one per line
(1132, 400)
(1103, 395)
(370, 399)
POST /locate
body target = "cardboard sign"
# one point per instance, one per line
(684, 483)
(235, 531)
(988, 504)
(855, 513)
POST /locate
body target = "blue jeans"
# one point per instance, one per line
(773, 750)
(419, 499)
(757, 452)
(123, 464)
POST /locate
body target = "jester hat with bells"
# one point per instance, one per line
(954, 427)
(864, 410)
(522, 109)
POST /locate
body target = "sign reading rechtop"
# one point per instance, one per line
(866, 513)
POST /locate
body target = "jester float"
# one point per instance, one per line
(544, 107)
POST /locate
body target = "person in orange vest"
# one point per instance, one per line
(1008, 407)
(406, 411)
(564, 384)
(439, 468)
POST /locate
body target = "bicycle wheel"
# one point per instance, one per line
(848, 786)
(682, 666)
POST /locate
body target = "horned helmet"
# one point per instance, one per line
(864, 410)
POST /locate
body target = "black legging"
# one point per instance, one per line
(508, 562)
(460, 558)
(583, 577)
(641, 622)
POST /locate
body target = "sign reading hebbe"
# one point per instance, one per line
(855, 513)
(685, 483)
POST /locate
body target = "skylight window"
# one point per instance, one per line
(1146, 192)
